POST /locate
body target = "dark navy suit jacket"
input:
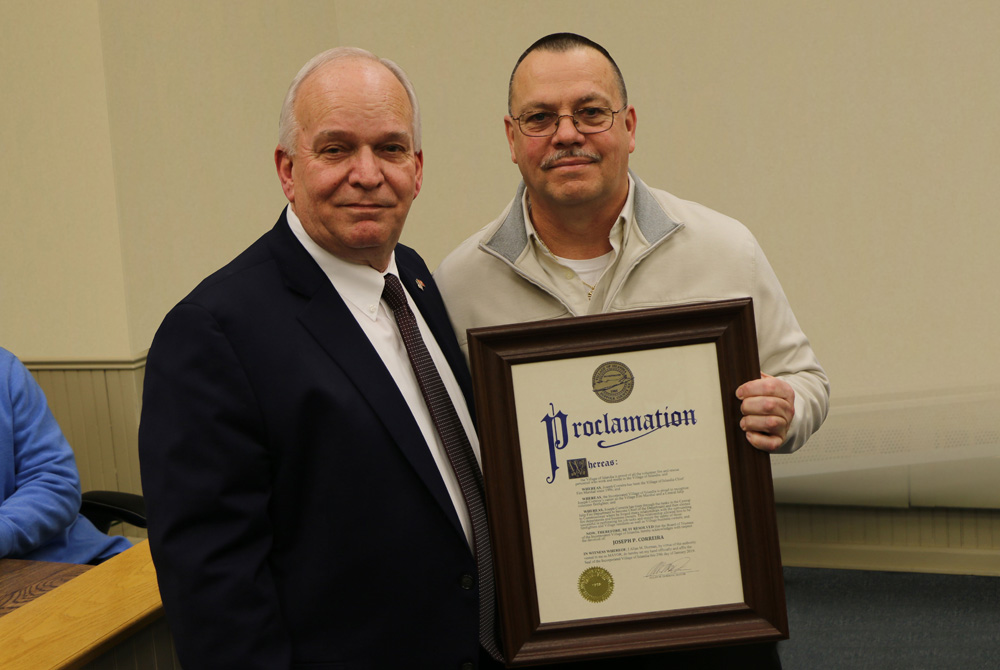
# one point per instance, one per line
(296, 516)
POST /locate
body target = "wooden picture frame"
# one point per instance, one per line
(533, 364)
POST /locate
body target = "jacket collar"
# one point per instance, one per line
(510, 238)
(301, 273)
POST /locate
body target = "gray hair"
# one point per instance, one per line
(288, 125)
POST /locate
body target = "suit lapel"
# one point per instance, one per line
(329, 320)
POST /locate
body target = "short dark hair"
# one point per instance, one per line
(560, 42)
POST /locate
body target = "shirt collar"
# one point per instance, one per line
(359, 285)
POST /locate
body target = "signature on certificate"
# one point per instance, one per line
(670, 568)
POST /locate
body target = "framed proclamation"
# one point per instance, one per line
(629, 513)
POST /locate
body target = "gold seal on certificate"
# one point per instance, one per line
(596, 584)
(613, 381)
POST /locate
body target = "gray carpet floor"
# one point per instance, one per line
(858, 619)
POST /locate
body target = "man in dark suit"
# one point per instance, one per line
(303, 506)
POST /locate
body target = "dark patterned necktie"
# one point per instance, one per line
(456, 444)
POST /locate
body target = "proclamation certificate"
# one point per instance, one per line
(625, 471)
(627, 511)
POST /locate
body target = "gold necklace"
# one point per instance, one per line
(590, 294)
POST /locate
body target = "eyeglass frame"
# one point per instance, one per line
(559, 117)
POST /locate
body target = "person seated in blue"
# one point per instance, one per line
(39, 485)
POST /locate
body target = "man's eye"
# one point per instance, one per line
(539, 117)
(394, 148)
(331, 150)
(589, 112)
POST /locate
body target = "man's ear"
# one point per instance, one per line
(419, 156)
(510, 126)
(630, 121)
(283, 163)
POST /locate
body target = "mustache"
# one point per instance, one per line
(549, 161)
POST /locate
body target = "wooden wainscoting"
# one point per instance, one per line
(97, 405)
(914, 539)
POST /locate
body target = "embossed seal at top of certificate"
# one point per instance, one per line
(596, 584)
(613, 381)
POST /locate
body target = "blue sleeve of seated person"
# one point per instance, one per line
(39, 485)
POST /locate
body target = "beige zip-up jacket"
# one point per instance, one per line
(673, 252)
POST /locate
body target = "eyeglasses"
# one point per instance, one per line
(588, 120)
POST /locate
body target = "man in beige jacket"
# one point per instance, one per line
(584, 235)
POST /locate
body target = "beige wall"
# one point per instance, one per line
(61, 279)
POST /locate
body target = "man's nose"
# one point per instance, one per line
(366, 172)
(566, 131)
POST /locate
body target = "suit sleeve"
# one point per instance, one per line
(207, 479)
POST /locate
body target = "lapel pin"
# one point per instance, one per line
(420, 284)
